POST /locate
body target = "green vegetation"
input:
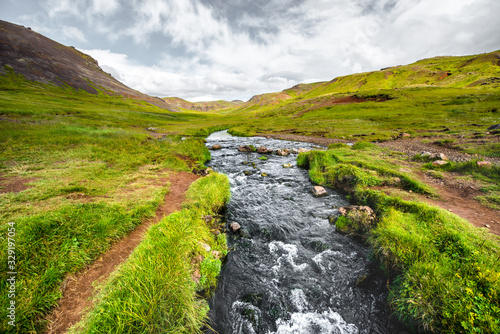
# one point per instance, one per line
(87, 175)
(153, 292)
(79, 171)
(445, 272)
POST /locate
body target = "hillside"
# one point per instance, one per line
(201, 106)
(41, 59)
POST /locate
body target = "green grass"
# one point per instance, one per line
(153, 292)
(445, 273)
(92, 174)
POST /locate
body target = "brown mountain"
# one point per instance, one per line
(41, 59)
(201, 106)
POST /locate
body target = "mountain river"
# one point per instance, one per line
(289, 271)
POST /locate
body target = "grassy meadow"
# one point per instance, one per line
(445, 273)
(87, 169)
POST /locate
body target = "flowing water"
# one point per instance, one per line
(289, 271)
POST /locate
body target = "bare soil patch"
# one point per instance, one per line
(14, 185)
(77, 290)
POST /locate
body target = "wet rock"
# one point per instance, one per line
(247, 172)
(361, 280)
(439, 163)
(283, 152)
(294, 151)
(262, 150)
(494, 127)
(319, 191)
(263, 174)
(244, 233)
(438, 156)
(484, 164)
(235, 227)
(216, 147)
(360, 219)
(246, 148)
(303, 150)
(287, 165)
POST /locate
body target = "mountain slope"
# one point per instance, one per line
(41, 59)
(201, 106)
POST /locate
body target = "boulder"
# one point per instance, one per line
(484, 164)
(283, 152)
(216, 147)
(262, 150)
(235, 227)
(246, 148)
(438, 156)
(494, 127)
(439, 163)
(319, 191)
(360, 218)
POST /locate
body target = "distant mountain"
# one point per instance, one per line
(201, 106)
(41, 59)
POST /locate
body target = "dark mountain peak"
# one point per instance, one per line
(41, 59)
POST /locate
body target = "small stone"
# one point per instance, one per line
(405, 170)
(206, 247)
(404, 135)
(438, 156)
(303, 150)
(263, 174)
(425, 154)
(247, 172)
(319, 191)
(487, 226)
(295, 151)
(287, 166)
(216, 147)
(216, 254)
(234, 227)
(283, 152)
(196, 276)
(484, 164)
(439, 163)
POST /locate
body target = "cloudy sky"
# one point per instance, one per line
(234, 49)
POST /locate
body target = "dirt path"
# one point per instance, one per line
(77, 289)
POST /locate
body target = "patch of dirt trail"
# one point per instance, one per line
(77, 290)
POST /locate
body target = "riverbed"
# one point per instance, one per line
(288, 270)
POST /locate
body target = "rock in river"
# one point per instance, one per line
(319, 191)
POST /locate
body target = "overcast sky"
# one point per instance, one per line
(233, 49)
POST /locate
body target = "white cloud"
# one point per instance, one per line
(234, 49)
(73, 34)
